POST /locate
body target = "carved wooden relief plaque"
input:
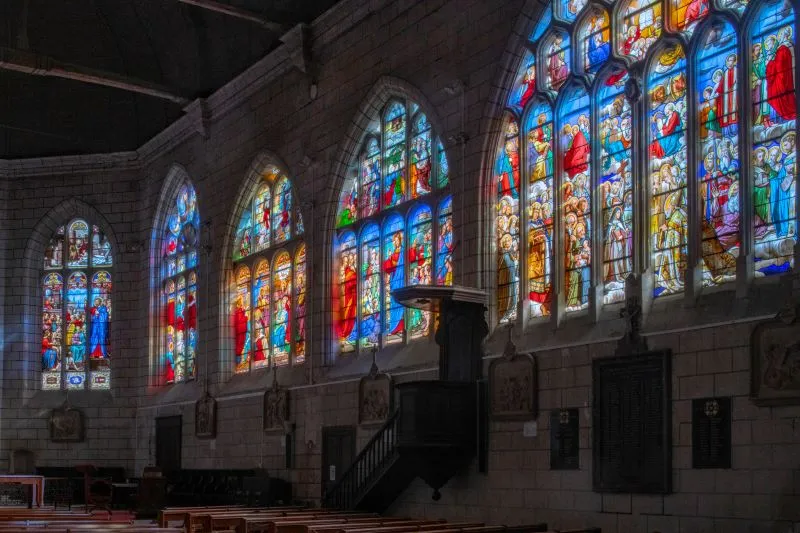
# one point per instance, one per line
(513, 386)
(775, 361)
(631, 423)
(276, 409)
(374, 398)
(66, 425)
(205, 417)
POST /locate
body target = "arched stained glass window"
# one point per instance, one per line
(666, 104)
(506, 177)
(774, 141)
(268, 293)
(615, 126)
(392, 204)
(539, 135)
(575, 154)
(179, 283)
(718, 145)
(76, 309)
(673, 193)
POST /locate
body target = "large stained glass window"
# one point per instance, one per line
(76, 309)
(656, 161)
(718, 149)
(667, 167)
(774, 136)
(615, 183)
(394, 202)
(179, 288)
(268, 293)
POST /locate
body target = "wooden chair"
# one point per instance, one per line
(97, 491)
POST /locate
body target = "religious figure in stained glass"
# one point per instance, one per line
(507, 190)
(558, 60)
(394, 155)
(640, 28)
(76, 345)
(596, 38)
(774, 146)
(667, 153)
(268, 294)
(179, 259)
(381, 250)
(616, 184)
(718, 166)
(539, 126)
(420, 254)
(576, 183)
(444, 251)
(599, 97)
(347, 283)
(525, 83)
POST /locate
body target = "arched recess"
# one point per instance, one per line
(176, 179)
(372, 106)
(29, 274)
(296, 245)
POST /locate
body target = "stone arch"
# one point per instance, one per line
(176, 177)
(28, 274)
(247, 188)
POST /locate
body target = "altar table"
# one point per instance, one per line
(36, 483)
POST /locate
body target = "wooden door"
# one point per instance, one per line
(168, 442)
(338, 452)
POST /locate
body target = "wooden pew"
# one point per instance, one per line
(437, 526)
(193, 520)
(203, 521)
(209, 523)
(174, 514)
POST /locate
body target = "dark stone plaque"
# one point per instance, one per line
(711, 433)
(564, 439)
(631, 425)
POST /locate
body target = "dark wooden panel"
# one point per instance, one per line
(565, 439)
(168, 442)
(711, 433)
(338, 452)
(631, 423)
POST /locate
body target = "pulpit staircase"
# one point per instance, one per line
(432, 435)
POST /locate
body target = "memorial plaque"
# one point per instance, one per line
(564, 439)
(631, 425)
(711, 433)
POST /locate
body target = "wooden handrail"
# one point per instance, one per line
(369, 463)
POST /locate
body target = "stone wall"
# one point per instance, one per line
(455, 58)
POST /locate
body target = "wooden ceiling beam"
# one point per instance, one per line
(236, 12)
(40, 65)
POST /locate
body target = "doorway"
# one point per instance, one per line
(338, 452)
(168, 442)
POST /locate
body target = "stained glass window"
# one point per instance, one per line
(774, 142)
(268, 290)
(678, 197)
(179, 282)
(615, 123)
(595, 36)
(718, 145)
(639, 28)
(575, 153)
(667, 167)
(685, 14)
(557, 60)
(506, 177)
(383, 245)
(539, 136)
(76, 309)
